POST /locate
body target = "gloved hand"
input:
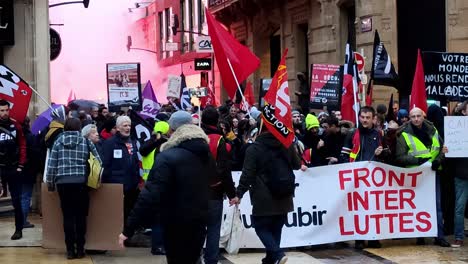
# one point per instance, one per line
(435, 165)
(422, 160)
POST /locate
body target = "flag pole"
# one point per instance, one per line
(238, 86)
(42, 98)
(354, 95)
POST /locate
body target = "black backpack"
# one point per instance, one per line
(279, 177)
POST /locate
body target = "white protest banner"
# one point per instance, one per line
(455, 130)
(173, 86)
(361, 200)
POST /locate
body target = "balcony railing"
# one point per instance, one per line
(216, 5)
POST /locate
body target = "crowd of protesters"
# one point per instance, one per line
(187, 164)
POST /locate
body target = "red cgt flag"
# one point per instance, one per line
(418, 91)
(226, 47)
(277, 114)
(16, 91)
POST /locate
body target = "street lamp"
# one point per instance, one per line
(84, 2)
(129, 46)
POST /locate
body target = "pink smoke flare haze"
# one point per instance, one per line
(93, 37)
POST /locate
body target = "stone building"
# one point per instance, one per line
(316, 31)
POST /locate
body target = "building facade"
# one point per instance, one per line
(316, 31)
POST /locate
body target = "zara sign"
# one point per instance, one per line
(203, 64)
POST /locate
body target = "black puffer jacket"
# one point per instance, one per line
(254, 171)
(177, 186)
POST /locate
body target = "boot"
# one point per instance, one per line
(71, 254)
(17, 235)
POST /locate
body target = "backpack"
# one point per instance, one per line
(279, 177)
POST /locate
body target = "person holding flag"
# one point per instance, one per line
(268, 168)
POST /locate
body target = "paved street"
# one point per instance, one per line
(28, 250)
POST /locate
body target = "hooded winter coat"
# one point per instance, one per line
(254, 173)
(69, 157)
(177, 186)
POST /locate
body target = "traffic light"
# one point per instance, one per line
(86, 3)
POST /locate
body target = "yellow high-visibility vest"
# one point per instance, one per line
(418, 150)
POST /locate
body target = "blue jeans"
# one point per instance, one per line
(440, 216)
(213, 229)
(26, 199)
(268, 229)
(461, 197)
(157, 237)
(13, 179)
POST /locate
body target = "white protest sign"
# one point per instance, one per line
(173, 86)
(361, 200)
(455, 130)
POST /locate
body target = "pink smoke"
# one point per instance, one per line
(93, 37)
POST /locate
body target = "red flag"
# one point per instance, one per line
(418, 91)
(71, 96)
(16, 91)
(226, 47)
(249, 98)
(277, 114)
(349, 101)
(249, 94)
(209, 99)
(369, 94)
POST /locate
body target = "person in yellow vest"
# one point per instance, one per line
(150, 147)
(419, 142)
(148, 151)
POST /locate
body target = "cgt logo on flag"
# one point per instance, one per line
(277, 111)
(16, 91)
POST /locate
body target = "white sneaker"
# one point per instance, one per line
(282, 260)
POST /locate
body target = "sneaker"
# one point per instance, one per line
(282, 260)
(71, 254)
(420, 241)
(374, 244)
(17, 235)
(28, 225)
(158, 252)
(359, 245)
(441, 242)
(80, 254)
(457, 243)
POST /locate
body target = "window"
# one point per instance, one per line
(201, 15)
(182, 25)
(167, 15)
(191, 22)
(161, 34)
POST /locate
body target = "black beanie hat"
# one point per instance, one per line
(210, 116)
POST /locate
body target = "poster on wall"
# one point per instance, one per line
(446, 75)
(123, 86)
(325, 86)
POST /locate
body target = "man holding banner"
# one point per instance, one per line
(364, 144)
(417, 143)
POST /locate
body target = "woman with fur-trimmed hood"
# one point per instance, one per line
(177, 190)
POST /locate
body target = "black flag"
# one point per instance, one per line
(383, 72)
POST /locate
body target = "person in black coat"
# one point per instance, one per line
(31, 169)
(178, 190)
(222, 184)
(269, 214)
(120, 162)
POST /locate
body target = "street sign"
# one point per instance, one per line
(203, 45)
(360, 61)
(171, 46)
(55, 44)
(203, 64)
